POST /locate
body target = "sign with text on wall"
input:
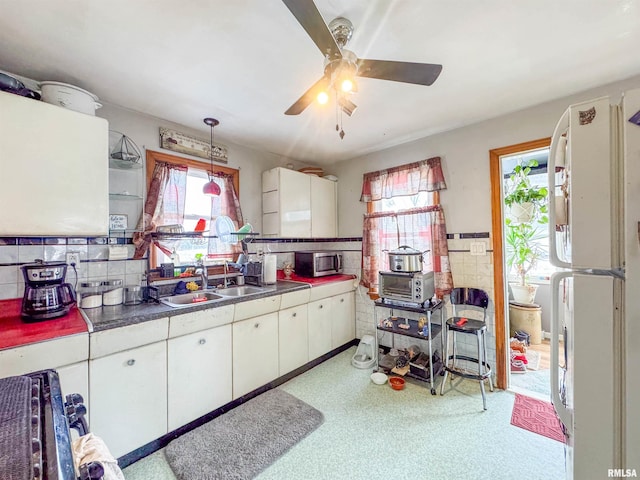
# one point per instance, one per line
(182, 143)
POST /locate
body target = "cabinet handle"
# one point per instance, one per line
(342, 300)
(256, 325)
(294, 314)
(321, 306)
(202, 341)
(131, 362)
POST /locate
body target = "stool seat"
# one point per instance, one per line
(470, 298)
(470, 326)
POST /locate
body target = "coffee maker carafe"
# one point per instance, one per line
(45, 293)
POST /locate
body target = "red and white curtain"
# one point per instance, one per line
(422, 228)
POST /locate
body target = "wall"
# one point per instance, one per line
(144, 131)
(466, 202)
(94, 252)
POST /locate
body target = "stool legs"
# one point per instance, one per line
(484, 371)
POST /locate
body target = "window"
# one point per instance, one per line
(403, 209)
(175, 197)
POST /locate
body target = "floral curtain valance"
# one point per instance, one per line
(423, 176)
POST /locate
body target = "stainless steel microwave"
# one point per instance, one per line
(414, 287)
(318, 264)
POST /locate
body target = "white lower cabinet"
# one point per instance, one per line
(343, 319)
(199, 374)
(128, 397)
(293, 338)
(319, 327)
(255, 353)
(331, 323)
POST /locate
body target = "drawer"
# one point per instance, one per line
(332, 289)
(293, 299)
(50, 354)
(200, 320)
(254, 308)
(115, 340)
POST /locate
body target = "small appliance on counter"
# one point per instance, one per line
(412, 287)
(253, 273)
(318, 264)
(45, 293)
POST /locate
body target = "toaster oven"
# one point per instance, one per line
(413, 287)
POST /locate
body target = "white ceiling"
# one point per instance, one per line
(246, 61)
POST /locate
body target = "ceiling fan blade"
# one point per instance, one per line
(309, 17)
(407, 72)
(308, 97)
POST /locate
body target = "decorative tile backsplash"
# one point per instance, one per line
(94, 260)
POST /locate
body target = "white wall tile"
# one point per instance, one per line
(8, 253)
(29, 253)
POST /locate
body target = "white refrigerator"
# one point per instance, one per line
(594, 164)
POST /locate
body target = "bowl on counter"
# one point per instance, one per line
(397, 383)
(379, 378)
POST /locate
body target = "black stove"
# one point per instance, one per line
(35, 443)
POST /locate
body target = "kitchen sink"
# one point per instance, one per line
(194, 298)
(240, 291)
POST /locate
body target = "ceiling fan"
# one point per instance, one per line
(342, 65)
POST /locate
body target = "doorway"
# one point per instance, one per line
(534, 380)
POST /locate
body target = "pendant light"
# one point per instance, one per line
(211, 187)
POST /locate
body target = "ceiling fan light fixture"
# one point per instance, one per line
(346, 85)
(211, 187)
(323, 97)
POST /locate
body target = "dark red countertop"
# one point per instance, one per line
(14, 332)
(315, 281)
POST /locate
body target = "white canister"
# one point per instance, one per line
(69, 96)
(112, 292)
(269, 262)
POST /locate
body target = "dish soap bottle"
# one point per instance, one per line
(175, 259)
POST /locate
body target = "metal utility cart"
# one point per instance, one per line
(433, 329)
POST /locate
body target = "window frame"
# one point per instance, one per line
(153, 156)
(373, 292)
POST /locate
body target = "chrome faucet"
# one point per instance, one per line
(204, 277)
(225, 272)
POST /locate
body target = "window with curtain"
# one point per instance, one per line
(403, 208)
(174, 197)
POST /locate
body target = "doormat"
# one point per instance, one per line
(536, 416)
(243, 442)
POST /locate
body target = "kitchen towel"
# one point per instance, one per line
(243, 442)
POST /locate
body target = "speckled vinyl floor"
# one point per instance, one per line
(373, 432)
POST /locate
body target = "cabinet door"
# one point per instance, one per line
(55, 161)
(323, 208)
(255, 353)
(128, 397)
(319, 327)
(343, 321)
(295, 204)
(199, 378)
(293, 338)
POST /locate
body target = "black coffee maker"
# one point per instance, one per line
(45, 293)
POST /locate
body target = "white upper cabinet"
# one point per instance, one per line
(298, 205)
(54, 170)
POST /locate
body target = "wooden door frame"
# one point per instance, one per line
(498, 250)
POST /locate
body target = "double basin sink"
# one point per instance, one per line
(210, 296)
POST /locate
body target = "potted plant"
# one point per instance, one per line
(528, 209)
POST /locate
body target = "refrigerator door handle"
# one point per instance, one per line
(564, 414)
(556, 141)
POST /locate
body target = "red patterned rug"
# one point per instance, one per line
(536, 416)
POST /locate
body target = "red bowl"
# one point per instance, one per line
(397, 383)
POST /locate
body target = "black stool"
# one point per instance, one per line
(470, 297)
